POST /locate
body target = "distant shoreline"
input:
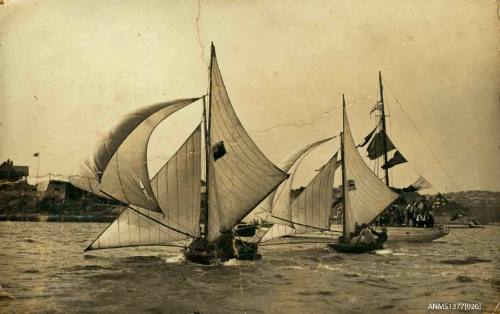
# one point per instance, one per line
(56, 218)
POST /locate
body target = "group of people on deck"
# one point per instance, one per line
(412, 215)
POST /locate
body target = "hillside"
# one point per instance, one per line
(484, 205)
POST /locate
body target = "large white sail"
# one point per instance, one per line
(311, 209)
(243, 177)
(177, 186)
(87, 183)
(177, 189)
(263, 210)
(365, 195)
(119, 163)
(137, 227)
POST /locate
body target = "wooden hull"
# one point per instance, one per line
(221, 252)
(410, 234)
(395, 234)
(469, 226)
(355, 248)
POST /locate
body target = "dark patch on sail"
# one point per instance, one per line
(351, 185)
(219, 150)
(397, 159)
(376, 147)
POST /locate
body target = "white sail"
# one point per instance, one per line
(277, 231)
(87, 183)
(263, 210)
(365, 195)
(177, 186)
(137, 227)
(243, 177)
(119, 163)
(311, 209)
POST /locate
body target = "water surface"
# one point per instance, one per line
(43, 269)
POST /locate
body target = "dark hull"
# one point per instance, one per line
(245, 230)
(204, 257)
(221, 251)
(358, 248)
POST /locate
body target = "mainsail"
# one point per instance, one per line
(243, 177)
(311, 209)
(365, 196)
(283, 192)
(119, 164)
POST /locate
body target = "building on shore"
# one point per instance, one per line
(11, 173)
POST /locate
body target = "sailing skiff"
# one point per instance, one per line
(165, 209)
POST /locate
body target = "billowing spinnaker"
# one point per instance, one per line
(282, 209)
(365, 195)
(87, 183)
(241, 178)
(137, 227)
(120, 160)
(177, 186)
(284, 190)
(311, 209)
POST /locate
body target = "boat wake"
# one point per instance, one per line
(176, 259)
(232, 262)
(385, 252)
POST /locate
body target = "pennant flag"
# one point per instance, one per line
(376, 147)
(376, 107)
(395, 160)
(36, 154)
(368, 137)
(421, 184)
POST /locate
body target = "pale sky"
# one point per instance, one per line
(69, 69)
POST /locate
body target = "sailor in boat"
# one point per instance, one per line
(369, 236)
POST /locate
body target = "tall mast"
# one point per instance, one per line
(344, 192)
(207, 117)
(382, 111)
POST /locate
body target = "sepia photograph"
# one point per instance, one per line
(236, 156)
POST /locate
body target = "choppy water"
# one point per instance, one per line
(43, 269)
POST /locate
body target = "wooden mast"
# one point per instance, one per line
(207, 117)
(382, 111)
(344, 183)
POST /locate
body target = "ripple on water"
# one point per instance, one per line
(463, 279)
(78, 268)
(467, 261)
(31, 271)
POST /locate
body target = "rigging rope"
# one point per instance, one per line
(423, 139)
